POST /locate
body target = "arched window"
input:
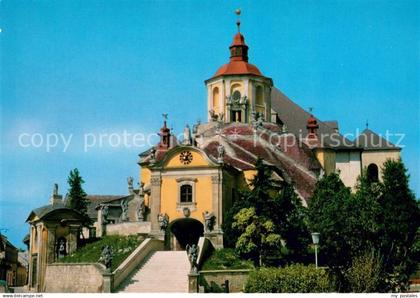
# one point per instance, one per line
(372, 173)
(259, 100)
(215, 98)
(186, 193)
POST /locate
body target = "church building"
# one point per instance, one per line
(188, 185)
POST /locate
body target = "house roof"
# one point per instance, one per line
(94, 200)
(371, 141)
(243, 145)
(296, 119)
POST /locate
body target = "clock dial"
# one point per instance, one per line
(185, 157)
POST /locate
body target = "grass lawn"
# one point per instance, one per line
(226, 258)
(122, 247)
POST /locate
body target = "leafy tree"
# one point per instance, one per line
(328, 210)
(276, 203)
(381, 217)
(291, 223)
(258, 237)
(77, 196)
(400, 221)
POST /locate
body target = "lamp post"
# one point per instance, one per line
(315, 241)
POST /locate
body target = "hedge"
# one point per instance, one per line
(290, 279)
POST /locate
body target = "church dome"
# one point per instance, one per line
(238, 64)
(238, 68)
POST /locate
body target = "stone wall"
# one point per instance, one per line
(128, 228)
(212, 280)
(74, 278)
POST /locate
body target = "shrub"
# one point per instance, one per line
(226, 258)
(365, 274)
(290, 279)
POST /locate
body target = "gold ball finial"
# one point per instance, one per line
(238, 22)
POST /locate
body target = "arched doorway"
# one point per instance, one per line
(185, 231)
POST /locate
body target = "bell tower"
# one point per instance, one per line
(238, 89)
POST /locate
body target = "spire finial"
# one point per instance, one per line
(310, 109)
(367, 124)
(238, 22)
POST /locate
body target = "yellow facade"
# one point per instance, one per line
(326, 158)
(202, 197)
(197, 161)
(378, 158)
(145, 175)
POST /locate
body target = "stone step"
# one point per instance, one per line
(164, 272)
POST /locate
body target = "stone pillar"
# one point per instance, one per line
(216, 236)
(51, 246)
(156, 182)
(72, 238)
(39, 258)
(101, 227)
(108, 285)
(193, 282)
(30, 260)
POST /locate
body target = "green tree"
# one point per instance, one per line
(77, 196)
(258, 238)
(400, 221)
(291, 223)
(381, 217)
(277, 203)
(328, 211)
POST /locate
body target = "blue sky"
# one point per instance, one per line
(77, 67)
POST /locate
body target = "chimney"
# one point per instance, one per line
(56, 199)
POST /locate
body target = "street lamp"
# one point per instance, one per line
(315, 240)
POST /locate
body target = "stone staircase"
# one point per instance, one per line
(163, 272)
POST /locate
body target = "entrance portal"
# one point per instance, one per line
(185, 231)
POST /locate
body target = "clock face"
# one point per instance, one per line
(185, 157)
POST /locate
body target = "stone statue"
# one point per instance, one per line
(141, 188)
(260, 120)
(208, 221)
(106, 257)
(213, 115)
(253, 117)
(124, 210)
(130, 184)
(192, 252)
(220, 153)
(105, 214)
(55, 189)
(163, 220)
(62, 251)
(141, 209)
(187, 136)
(221, 116)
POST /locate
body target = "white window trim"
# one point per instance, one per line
(190, 205)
